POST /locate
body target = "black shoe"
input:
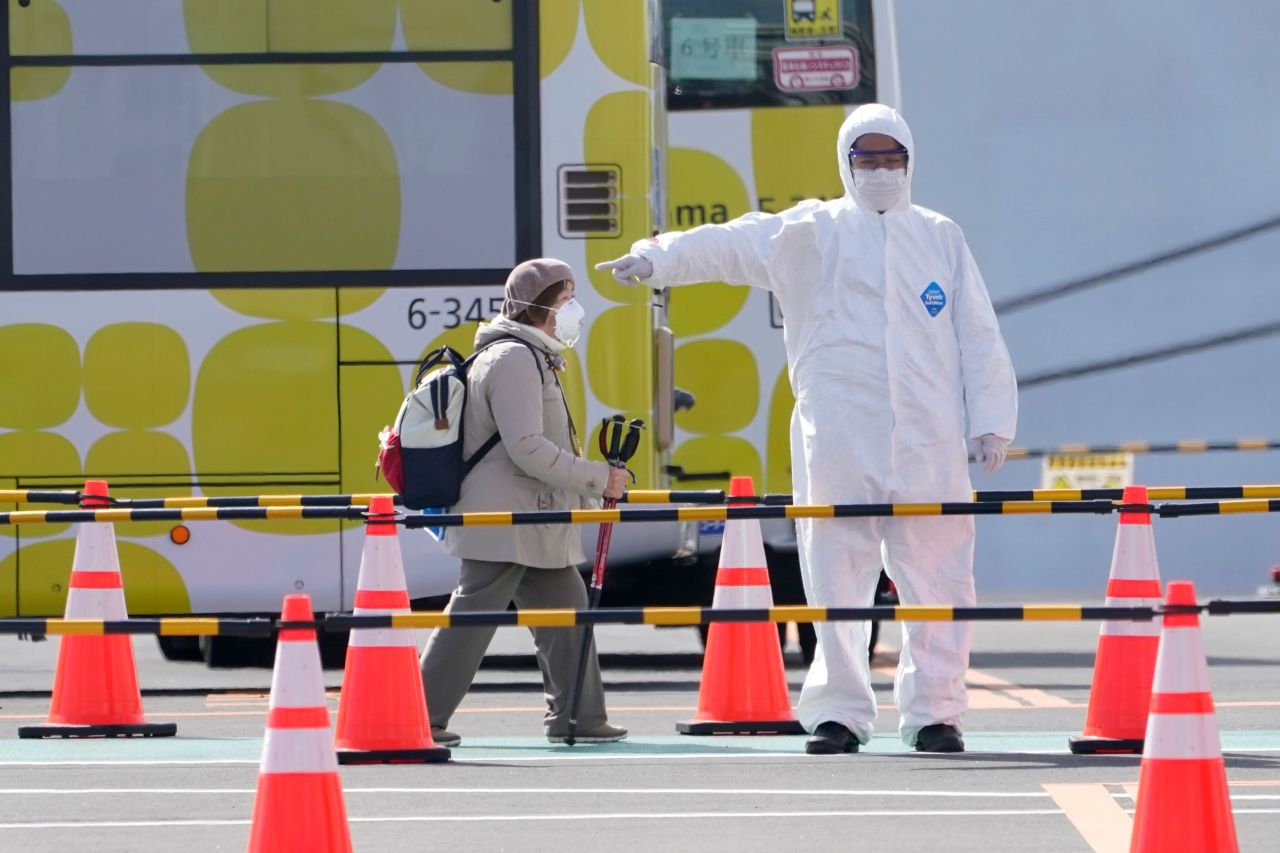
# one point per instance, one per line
(939, 737)
(830, 739)
(603, 733)
(442, 737)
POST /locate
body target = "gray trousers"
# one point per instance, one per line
(453, 655)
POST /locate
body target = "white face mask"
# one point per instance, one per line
(880, 188)
(569, 317)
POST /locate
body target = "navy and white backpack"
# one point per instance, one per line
(421, 454)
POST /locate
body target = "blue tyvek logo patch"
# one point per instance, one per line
(934, 299)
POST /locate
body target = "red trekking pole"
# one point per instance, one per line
(617, 451)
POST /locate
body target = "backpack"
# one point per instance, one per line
(421, 455)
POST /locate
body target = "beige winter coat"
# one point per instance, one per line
(533, 467)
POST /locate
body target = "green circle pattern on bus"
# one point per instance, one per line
(38, 29)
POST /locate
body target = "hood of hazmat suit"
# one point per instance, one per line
(891, 339)
(874, 118)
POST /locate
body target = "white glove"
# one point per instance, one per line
(628, 269)
(990, 450)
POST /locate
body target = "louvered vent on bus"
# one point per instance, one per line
(590, 201)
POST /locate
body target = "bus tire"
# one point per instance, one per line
(179, 648)
(333, 649)
(237, 652)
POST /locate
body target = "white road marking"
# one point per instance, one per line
(718, 792)
(629, 791)
(131, 762)
(631, 756)
(113, 824)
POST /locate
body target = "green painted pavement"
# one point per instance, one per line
(249, 750)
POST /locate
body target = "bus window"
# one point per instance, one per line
(254, 143)
(734, 54)
(154, 27)
(155, 169)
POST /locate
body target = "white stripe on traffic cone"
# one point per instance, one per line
(1183, 804)
(382, 716)
(299, 805)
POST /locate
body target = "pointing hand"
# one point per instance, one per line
(628, 269)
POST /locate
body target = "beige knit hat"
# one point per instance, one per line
(529, 279)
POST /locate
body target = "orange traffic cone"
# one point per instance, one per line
(382, 715)
(1183, 804)
(1126, 659)
(299, 803)
(95, 687)
(744, 684)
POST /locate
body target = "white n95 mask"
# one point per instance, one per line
(569, 318)
(880, 188)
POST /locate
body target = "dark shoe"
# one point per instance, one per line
(444, 737)
(603, 733)
(939, 737)
(831, 739)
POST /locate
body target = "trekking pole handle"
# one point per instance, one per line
(610, 436)
(632, 442)
(615, 439)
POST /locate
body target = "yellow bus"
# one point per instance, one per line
(236, 226)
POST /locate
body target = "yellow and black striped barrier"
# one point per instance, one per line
(1155, 493)
(33, 496)
(80, 516)
(624, 516)
(673, 616)
(167, 626)
(73, 498)
(642, 496)
(1218, 508)
(29, 496)
(261, 627)
(798, 613)
(578, 516)
(1145, 447)
(38, 496)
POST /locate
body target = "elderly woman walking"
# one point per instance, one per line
(513, 390)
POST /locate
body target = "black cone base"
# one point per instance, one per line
(761, 727)
(137, 730)
(429, 755)
(1105, 746)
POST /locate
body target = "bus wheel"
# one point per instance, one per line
(236, 652)
(333, 649)
(179, 648)
(219, 652)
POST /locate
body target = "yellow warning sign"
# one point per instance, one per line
(1087, 471)
(812, 19)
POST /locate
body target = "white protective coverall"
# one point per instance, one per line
(882, 368)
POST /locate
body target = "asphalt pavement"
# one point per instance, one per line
(1017, 787)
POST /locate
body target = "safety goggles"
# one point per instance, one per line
(893, 158)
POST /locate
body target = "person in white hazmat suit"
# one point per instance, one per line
(890, 335)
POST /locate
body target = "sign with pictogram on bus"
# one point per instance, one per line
(815, 69)
(811, 19)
